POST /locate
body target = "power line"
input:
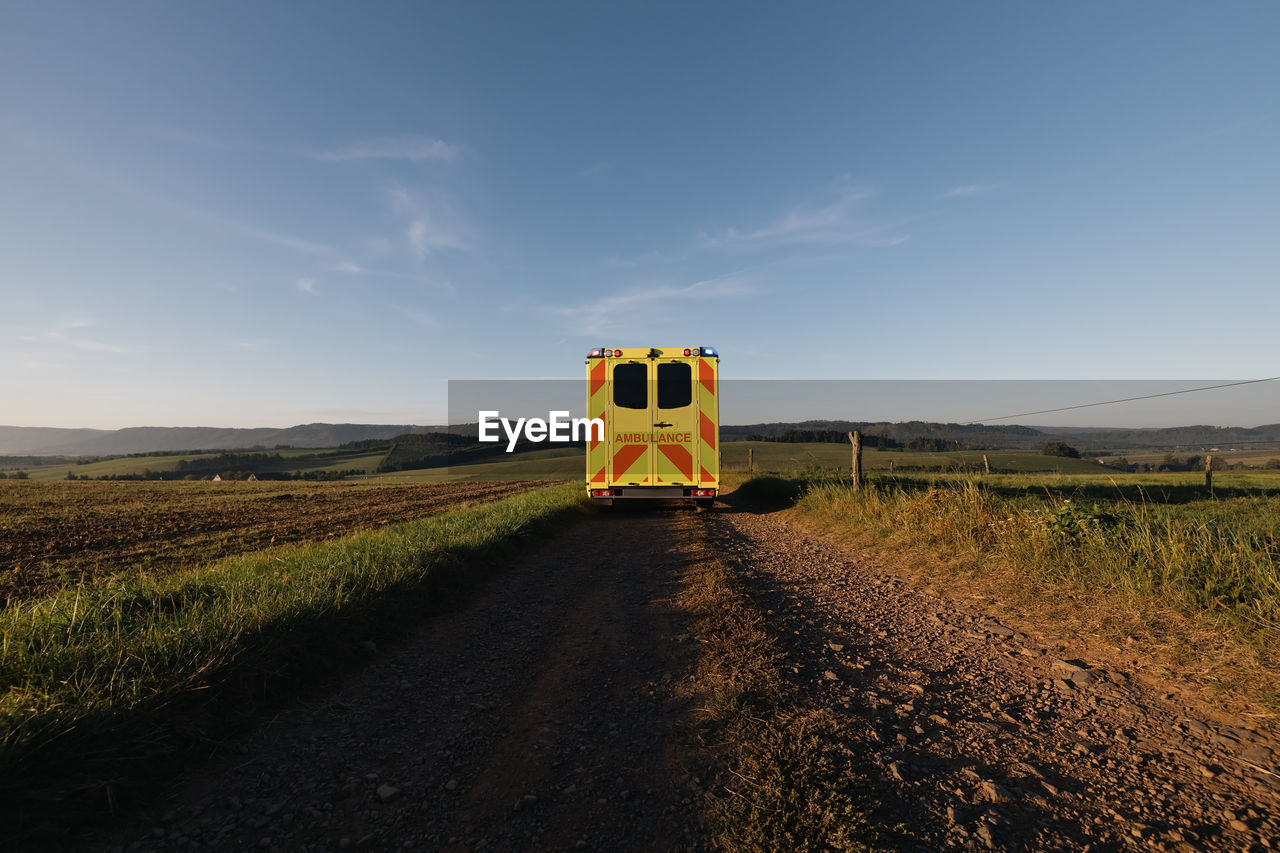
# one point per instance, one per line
(1123, 400)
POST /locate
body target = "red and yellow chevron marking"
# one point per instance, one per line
(708, 424)
(597, 400)
(631, 458)
(674, 465)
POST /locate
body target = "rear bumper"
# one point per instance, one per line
(664, 493)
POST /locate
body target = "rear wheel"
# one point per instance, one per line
(705, 504)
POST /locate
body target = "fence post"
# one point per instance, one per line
(751, 459)
(855, 438)
(1208, 472)
(986, 464)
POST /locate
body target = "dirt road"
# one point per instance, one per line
(544, 714)
(984, 737)
(548, 714)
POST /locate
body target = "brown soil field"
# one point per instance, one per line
(58, 533)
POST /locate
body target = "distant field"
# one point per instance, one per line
(328, 460)
(778, 456)
(57, 533)
(566, 463)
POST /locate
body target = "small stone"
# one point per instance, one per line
(1257, 754)
(1238, 825)
(830, 676)
(369, 645)
(994, 792)
(836, 647)
(387, 793)
(896, 770)
(1196, 726)
(451, 785)
(1066, 668)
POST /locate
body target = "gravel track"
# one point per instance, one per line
(978, 736)
(543, 715)
(547, 714)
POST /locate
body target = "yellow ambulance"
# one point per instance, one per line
(661, 413)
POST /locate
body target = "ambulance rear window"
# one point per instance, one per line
(675, 385)
(630, 386)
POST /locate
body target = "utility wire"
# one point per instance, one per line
(1123, 400)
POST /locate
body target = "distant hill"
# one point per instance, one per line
(1015, 437)
(42, 441)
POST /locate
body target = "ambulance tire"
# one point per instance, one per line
(605, 505)
(705, 504)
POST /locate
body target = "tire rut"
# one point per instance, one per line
(976, 736)
(545, 713)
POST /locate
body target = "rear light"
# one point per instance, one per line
(710, 351)
(609, 353)
(602, 493)
(595, 353)
(688, 351)
(702, 493)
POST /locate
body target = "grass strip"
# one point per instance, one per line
(795, 783)
(1197, 581)
(108, 686)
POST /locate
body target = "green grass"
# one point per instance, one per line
(1127, 548)
(553, 463)
(332, 460)
(779, 456)
(108, 683)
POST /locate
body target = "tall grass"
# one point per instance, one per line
(105, 682)
(1219, 559)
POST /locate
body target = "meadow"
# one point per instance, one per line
(112, 675)
(1153, 561)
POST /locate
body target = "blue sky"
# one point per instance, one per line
(263, 214)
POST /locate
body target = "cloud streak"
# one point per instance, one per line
(965, 190)
(836, 222)
(613, 313)
(415, 149)
(64, 335)
(429, 226)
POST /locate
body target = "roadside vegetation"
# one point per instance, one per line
(109, 684)
(794, 782)
(1147, 562)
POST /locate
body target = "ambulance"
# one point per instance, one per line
(661, 413)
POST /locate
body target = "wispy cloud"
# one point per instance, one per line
(406, 147)
(200, 140)
(836, 221)
(67, 335)
(969, 189)
(306, 285)
(246, 346)
(226, 223)
(430, 226)
(628, 307)
(649, 258)
(413, 148)
(349, 268)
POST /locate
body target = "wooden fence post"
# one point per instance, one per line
(986, 464)
(1208, 472)
(751, 459)
(855, 438)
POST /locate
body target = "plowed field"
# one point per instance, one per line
(58, 533)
